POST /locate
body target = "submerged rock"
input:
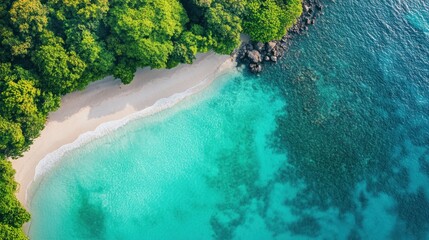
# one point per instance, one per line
(274, 58)
(255, 67)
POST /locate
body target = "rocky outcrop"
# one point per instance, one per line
(255, 67)
(256, 54)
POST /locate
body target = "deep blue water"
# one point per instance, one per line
(356, 132)
(330, 143)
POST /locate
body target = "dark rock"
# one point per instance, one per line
(259, 46)
(242, 55)
(280, 52)
(242, 52)
(255, 68)
(275, 52)
(271, 45)
(254, 56)
(306, 8)
(254, 53)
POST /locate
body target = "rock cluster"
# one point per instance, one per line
(311, 9)
(254, 54)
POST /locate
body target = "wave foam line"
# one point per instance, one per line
(51, 159)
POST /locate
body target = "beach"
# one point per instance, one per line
(109, 100)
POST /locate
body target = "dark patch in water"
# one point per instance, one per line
(346, 113)
(354, 235)
(306, 225)
(413, 210)
(91, 216)
(236, 177)
(331, 148)
(424, 163)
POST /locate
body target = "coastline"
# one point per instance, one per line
(256, 54)
(108, 101)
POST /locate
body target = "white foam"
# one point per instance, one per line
(52, 159)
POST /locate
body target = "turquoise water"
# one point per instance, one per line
(185, 169)
(331, 143)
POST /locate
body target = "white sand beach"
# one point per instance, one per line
(109, 100)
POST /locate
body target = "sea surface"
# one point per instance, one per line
(330, 143)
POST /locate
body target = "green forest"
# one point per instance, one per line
(49, 48)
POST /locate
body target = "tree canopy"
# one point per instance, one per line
(269, 20)
(12, 215)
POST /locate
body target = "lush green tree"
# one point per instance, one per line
(71, 12)
(225, 28)
(11, 138)
(184, 50)
(196, 9)
(124, 71)
(10, 233)
(48, 102)
(20, 103)
(60, 70)
(12, 214)
(91, 50)
(29, 16)
(18, 98)
(263, 20)
(269, 19)
(204, 41)
(293, 12)
(144, 34)
(235, 7)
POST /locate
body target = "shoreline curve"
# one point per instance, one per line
(107, 105)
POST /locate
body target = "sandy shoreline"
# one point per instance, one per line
(108, 100)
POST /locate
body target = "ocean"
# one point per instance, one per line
(330, 143)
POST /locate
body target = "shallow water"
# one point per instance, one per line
(331, 143)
